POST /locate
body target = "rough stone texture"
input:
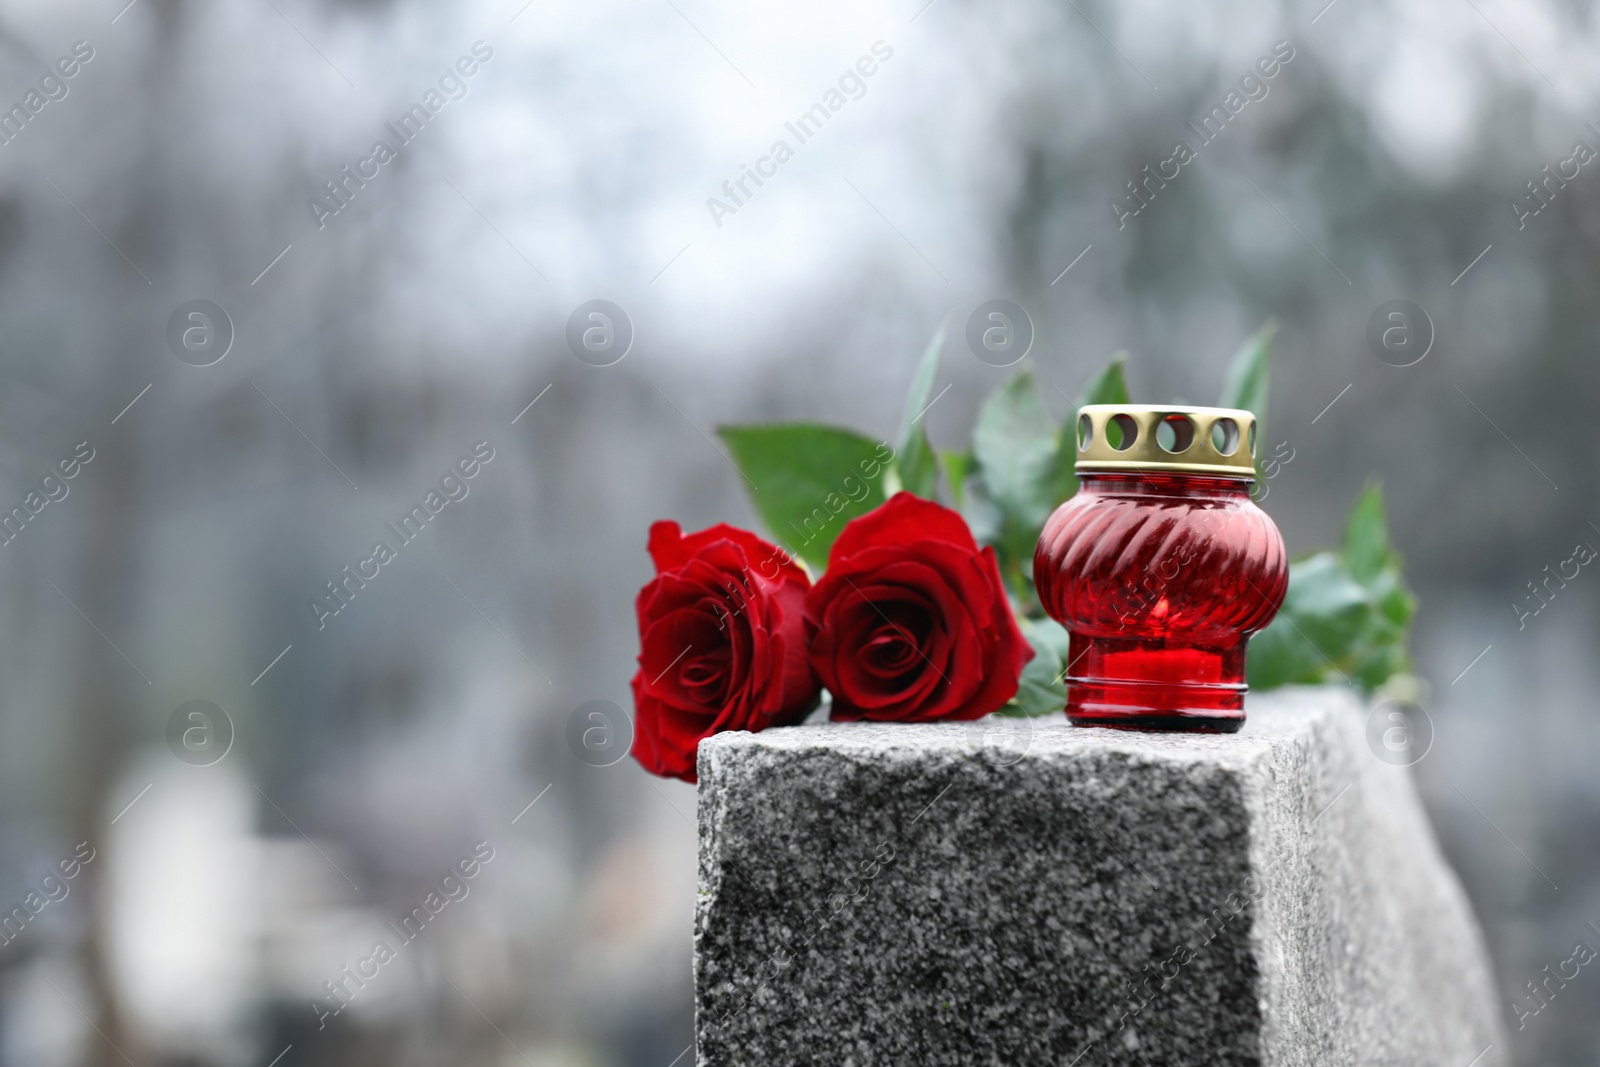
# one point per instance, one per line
(905, 894)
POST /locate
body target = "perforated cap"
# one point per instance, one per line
(1144, 437)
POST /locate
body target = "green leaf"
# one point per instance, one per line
(957, 464)
(1278, 656)
(1382, 654)
(1327, 605)
(1366, 537)
(1371, 559)
(983, 517)
(1110, 386)
(807, 480)
(1322, 618)
(1248, 381)
(1050, 634)
(1395, 601)
(1041, 689)
(916, 464)
(1015, 443)
(1346, 616)
(1064, 467)
(1025, 465)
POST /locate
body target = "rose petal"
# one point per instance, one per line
(902, 519)
(722, 643)
(911, 570)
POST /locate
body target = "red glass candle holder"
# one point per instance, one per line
(1161, 567)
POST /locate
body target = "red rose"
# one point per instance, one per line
(722, 644)
(910, 621)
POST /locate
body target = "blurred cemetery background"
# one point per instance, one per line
(386, 315)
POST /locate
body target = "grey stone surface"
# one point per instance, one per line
(929, 894)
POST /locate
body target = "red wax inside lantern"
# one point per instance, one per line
(1160, 578)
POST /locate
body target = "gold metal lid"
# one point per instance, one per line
(1217, 441)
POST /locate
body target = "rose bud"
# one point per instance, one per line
(910, 622)
(722, 644)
